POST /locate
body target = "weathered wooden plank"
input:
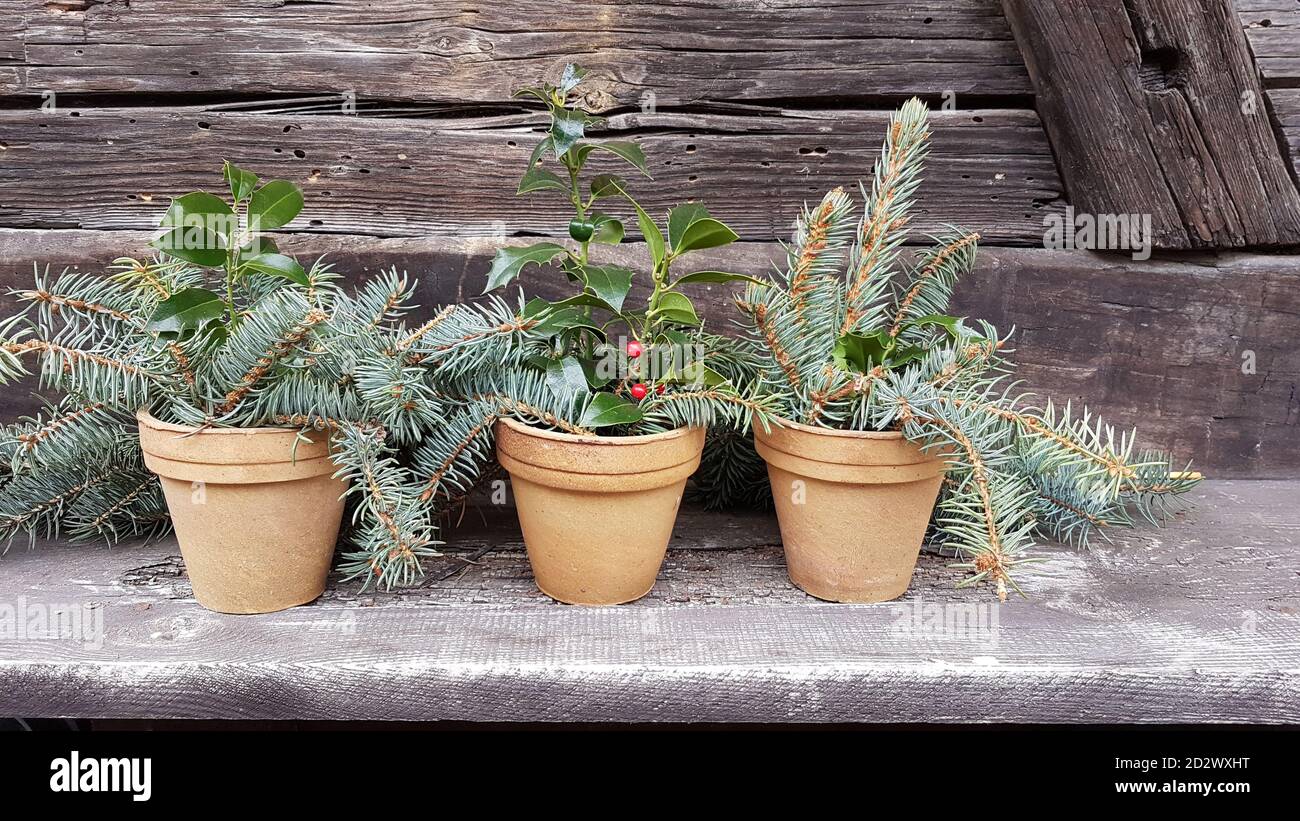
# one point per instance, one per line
(1160, 345)
(1273, 28)
(116, 168)
(454, 52)
(458, 52)
(1193, 624)
(1286, 107)
(1155, 111)
(472, 53)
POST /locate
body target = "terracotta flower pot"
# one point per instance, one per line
(597, 512)
(256, 518)
(853, 508)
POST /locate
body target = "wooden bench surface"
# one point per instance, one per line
(1199, 622)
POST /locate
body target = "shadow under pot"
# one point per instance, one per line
(596, 512)
(256, 511)
(852, 505)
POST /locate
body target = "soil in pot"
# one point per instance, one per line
(853, 507)
(256, 511)
(596, 512)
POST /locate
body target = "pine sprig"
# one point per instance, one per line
(392, 530)
(874, 349)
(452, 459)
(929, 287)
(888, 210)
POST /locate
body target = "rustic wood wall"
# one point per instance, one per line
(750, 106)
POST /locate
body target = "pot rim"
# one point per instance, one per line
(582, 439)
(780, 421)
(146, 418)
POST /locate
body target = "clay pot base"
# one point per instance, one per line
(256, 511)
(852, 506)
(597, 513)
(562, 600)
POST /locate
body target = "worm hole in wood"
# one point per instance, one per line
(1161, 69)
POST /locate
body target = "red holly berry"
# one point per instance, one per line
(659, 389)
(639, 391)
(633, 349)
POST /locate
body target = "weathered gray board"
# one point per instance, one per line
(1197, 623)
(1163, 345)
(455, 52)
(452, 54)
(116, 168)
(1273, 28)
(1156, 110)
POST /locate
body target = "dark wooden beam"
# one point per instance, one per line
(1155, 108)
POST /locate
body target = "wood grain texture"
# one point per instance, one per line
(1197, 623)
(117, 168)
(1155, 110)
(458, 52)
(1286, 109)
(1273, 28)
(1159, 345)
(455, 52)
(462, 61)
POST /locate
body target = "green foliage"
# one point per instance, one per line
(206, 231)
(611, 391)
(248, 339)
(75, 470)
(853, 336)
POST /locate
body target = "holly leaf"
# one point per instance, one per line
(606, 409)
(591, 369)
(951, 324)
(542, 93)
(628, 151)
(609, 282)
(186, 310)
(241, 182)
(699, 375)
(589, 301)
(903, 356)
(674, 337)
(565, 377)
(715, 277)
(567, 127)
(572, 75)
(274, 205)
(690, 228)
(860, 353)
(558, 317)
(654, 239)
(607, 185)
(678, 309)
(539, 179)
(681, 217)
(556, 321)
(508, 262)
(278, 265)
(259, 245)
(609, 231)
(196, 229)
(538, 151)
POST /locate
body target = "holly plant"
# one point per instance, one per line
(655, 367)
(225, 238)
